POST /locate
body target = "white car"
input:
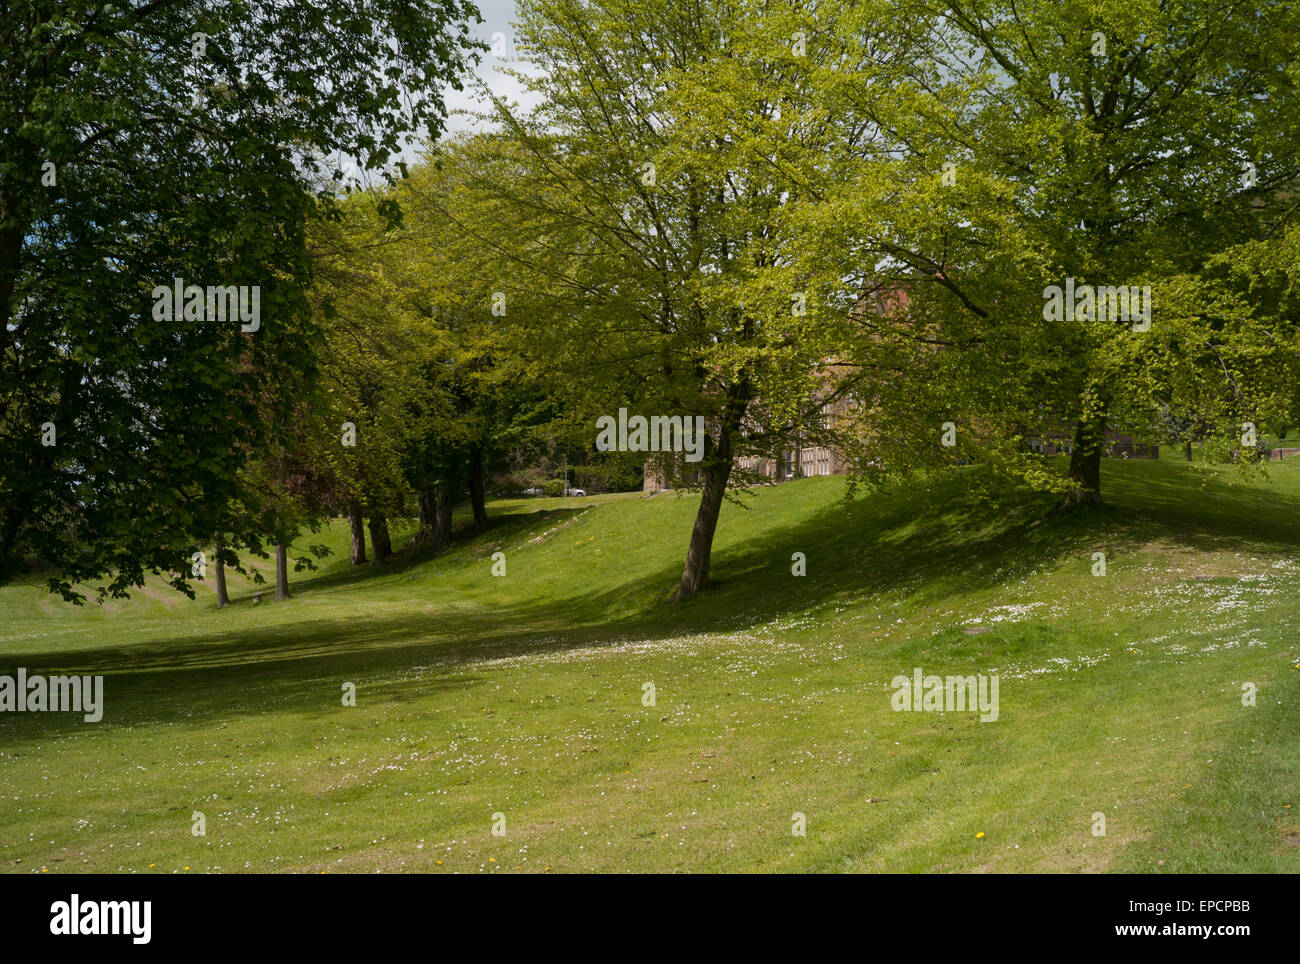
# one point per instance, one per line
(575, 492)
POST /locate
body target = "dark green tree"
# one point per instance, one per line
(142, 142)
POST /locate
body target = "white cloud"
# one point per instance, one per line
(498, 18)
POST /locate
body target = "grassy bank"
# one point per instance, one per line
(522, 694)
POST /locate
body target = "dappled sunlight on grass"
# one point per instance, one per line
(524, 693)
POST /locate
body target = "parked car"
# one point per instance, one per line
(533, 490)
(575, 492)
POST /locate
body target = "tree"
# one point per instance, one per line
(485, 387)
(1038, 148)
(146, 142)
(651, 205)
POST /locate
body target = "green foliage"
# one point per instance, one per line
(1015, 145)
(414, 358)
(173, 156)
(652, 214)
(741, 210)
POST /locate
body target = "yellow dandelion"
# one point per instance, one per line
(980, 834)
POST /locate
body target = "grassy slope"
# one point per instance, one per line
(522, 695)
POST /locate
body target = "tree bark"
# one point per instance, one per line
(425, 498)
(477, 488)
(435, 516)
(717, 462)
(10, 527)
(442, 516)
(380, 541)
(357, 523)
(1085, 463)
(223, 599)
(1187, 450)
(11, 244)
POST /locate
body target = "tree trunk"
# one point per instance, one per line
(695, 577)
(281, 572)
(477, 493)
(10, 527)
(281, 550)
(357, 523)
(380, 541)
(1187, 450)
(11, 251)
(223, 599)
(442, 516)
(717, 462)
(426, 499)
(435, 516)
(1085, 463)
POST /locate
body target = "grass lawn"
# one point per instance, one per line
(522, 694)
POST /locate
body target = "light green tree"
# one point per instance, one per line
(652, 209)
(1040, 145)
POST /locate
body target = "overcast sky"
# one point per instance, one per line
(497, 18)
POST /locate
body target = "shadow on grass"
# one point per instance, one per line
(412, 556)
(1208, 510)
(942, 537)
(212, 669)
